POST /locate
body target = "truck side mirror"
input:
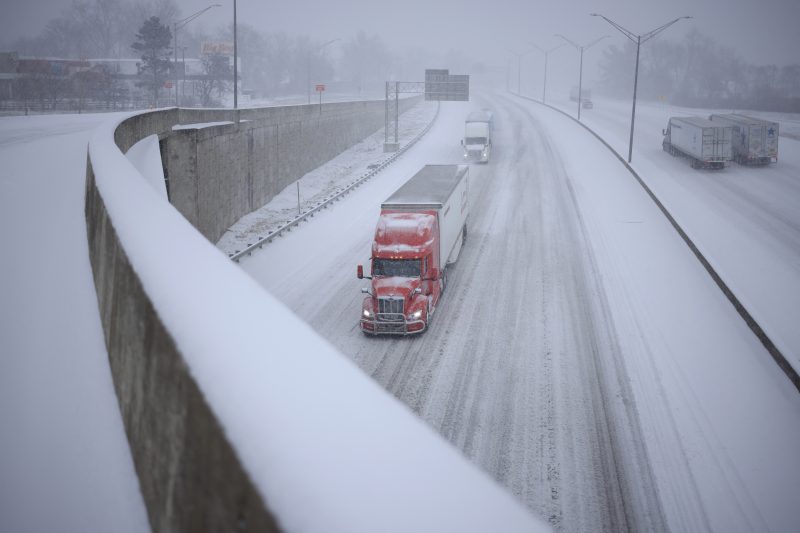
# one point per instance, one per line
(360, 272)
(434, 274)
(663, 132)
(462, 142)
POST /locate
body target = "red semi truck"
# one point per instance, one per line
(420, 231)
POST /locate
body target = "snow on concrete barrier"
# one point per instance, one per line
(240, 416)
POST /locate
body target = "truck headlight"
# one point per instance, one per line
(366, 313)
(416, 315)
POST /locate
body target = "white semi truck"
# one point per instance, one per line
(755, 141)
(477, 142)
(706, 144)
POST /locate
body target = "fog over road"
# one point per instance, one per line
(518, 365)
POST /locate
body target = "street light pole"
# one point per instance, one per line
(639, 40)
(546, 53)
(175, 27)
(235, 68)
(580, 71)
(183, 71)
(519, 68)
(308, 65)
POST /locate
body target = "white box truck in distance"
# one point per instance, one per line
(755, 141)
(706, 144)
(477, 140)
(420, 231)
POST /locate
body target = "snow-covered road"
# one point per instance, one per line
(65, 464)
(746, 221)
(562, 336)
(581, 355)
(508, 370)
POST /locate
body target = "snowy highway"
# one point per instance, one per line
(537, 365)
(738, 209)
(581, 355)
(511, 354)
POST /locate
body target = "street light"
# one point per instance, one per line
(308, 65)
(580, 72)
(638, 39)
(183, 71)
(546, 53)
(175, 27)
(519, 67)
(235, 69)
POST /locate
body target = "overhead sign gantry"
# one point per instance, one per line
(439, 85)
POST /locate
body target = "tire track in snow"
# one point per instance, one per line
(506, 371)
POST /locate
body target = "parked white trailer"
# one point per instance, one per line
(706, 144)
(477, 142)
(755, 141)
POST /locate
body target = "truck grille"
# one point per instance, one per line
(390, 308)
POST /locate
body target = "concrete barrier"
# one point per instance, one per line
(218, 173)
(190, 477)
(240, 417)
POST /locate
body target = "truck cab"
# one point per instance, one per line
(420, 231)
(406, 280)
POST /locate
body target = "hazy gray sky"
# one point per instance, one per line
(762, 32)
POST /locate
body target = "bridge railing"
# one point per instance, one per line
(239, 416)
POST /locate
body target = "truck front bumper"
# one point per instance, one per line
(375, 326)
(477, 156)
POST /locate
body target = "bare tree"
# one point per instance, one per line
(216, 80)
(366, 62)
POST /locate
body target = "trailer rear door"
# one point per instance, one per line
(717, 143)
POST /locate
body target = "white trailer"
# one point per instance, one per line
(755, 141)
(477, 142)
(706, 144)
(445, 190)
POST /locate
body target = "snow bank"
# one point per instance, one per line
(327, 448)
(65, 462)
(146, 157)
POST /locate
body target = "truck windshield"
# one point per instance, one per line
(475, 140)
(406, 268)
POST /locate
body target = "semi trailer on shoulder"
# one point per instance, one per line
(420, 232)
(755, 141)
(477, 142)
(705, 143)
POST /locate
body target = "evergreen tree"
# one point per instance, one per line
(152, 41)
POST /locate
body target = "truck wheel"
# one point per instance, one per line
(444, 279)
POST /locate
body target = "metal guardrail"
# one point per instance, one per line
(759, 332)
(329, 200)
